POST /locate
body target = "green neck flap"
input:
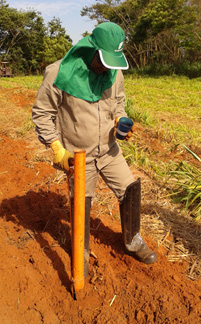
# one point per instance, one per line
(75, 76)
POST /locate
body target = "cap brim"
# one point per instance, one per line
(117, 62)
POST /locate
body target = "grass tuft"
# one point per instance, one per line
(185, 178)
(139, 115)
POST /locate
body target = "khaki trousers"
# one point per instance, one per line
(116, 174)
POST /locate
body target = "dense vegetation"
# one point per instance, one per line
(27, 43)
(162, 37)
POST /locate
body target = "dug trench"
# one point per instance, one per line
(35, 250)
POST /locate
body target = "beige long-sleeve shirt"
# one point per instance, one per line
(77, 123)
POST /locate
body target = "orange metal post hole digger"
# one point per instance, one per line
(78, 226)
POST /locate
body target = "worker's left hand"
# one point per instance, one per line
(130, 133)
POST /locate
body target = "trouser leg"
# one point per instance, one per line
(130, 222)
(117, 175)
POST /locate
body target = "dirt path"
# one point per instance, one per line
(35, 251)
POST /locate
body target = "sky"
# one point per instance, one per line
(67, 11)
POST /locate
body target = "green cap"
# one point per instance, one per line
(109, 39)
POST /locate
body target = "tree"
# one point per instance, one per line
(32, 42)
(12, 25)
(197, 7)
(156, 30)
(55, 29)
(56, 43)
(53, 50)
(27, 43)
(21, 37)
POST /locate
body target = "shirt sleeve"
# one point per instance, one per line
(120, 96)
(46, 106)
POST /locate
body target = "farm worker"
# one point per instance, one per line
(78, 103)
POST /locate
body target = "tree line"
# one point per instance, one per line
(161, 35)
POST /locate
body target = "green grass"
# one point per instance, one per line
(29, 82)
(133, 154)
(139, 115)
(170, 108)
(172, 103)
(185, 179)
(178, 93)
(16, 121)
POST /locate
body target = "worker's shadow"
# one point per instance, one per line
(40, 212)
(48, 212)
(107, 236)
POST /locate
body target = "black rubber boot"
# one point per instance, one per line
(87, 232)
(130, 223)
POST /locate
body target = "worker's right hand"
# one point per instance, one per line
(61, 155)
(130, 133)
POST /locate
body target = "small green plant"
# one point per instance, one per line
(186, 181)
(138, 114)
(26, 127)
(134, 154)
